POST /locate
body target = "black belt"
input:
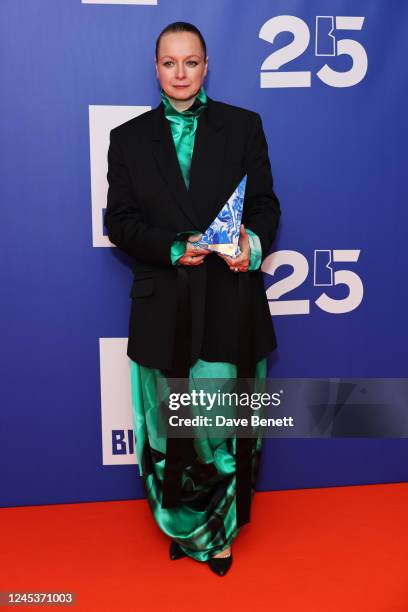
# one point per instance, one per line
(180, 451)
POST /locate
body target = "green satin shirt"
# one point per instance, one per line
(183, 126)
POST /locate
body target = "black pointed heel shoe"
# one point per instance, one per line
(175, 551)
(220, 565)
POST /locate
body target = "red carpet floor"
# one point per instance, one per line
(339, 549)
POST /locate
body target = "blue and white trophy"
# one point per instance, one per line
(222, 236)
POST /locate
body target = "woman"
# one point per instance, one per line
(195, 314)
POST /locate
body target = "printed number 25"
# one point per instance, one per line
(300, 267)
(270, 77)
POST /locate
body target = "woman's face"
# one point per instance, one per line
(181, 66)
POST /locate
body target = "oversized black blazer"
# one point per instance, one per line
(148, 204)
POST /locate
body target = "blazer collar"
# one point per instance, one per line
(199, 203)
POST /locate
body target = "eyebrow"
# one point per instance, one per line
(171, 57)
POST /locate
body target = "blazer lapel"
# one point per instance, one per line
(199, 203)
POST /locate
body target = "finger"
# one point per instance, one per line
(191, 261)
(198, 250)
(194, 238)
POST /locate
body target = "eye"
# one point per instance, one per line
(167, 63)
(192, 62)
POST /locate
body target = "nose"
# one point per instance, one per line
(180, 71)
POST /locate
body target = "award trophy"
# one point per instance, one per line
(222, 235)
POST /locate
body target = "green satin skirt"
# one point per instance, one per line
(205, 524)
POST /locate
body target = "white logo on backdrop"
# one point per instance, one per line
(101, 120)
(118, 441)
(323, 276)
(327, 43)
(152, 2)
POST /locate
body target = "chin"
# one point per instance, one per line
(182, 93)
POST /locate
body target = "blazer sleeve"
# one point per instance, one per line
(123, 217)
(261, 205)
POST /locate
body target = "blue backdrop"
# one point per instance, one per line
(330, 81)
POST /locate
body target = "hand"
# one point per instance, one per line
(240, 263)
(193, 256)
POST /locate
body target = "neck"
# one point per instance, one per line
(182, 105)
